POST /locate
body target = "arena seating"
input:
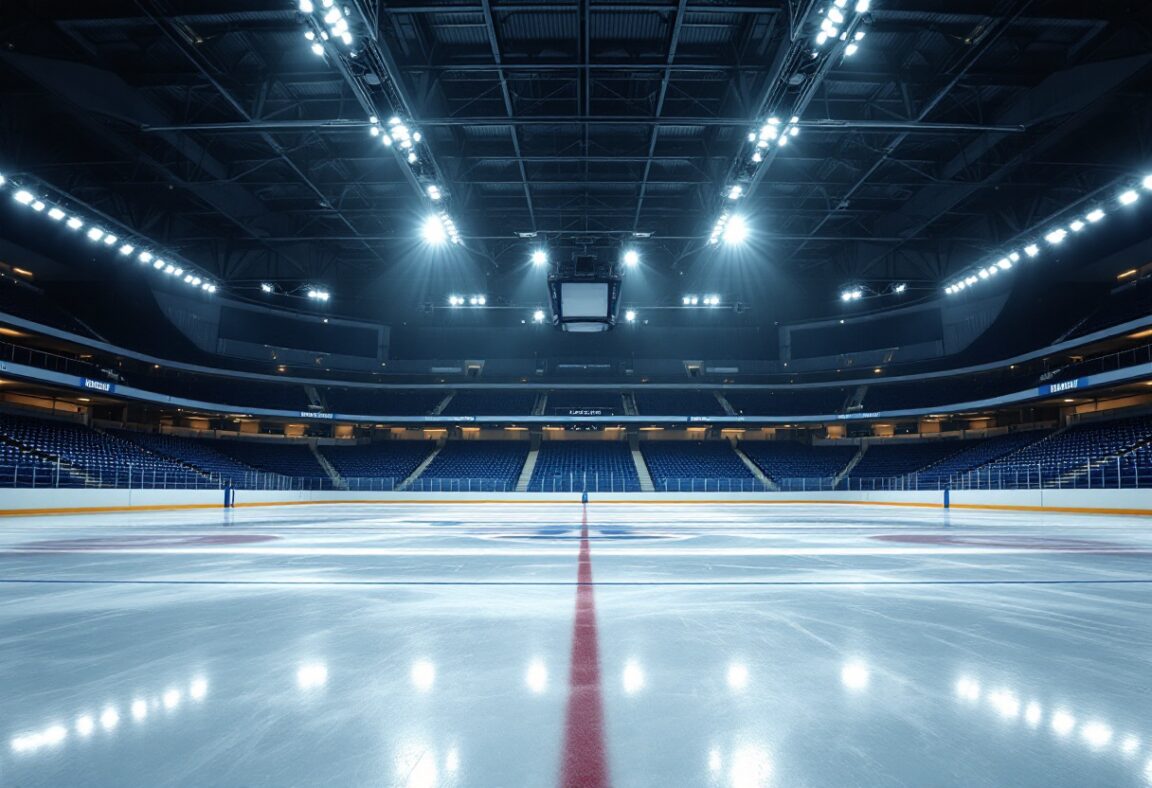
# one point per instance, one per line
(897, 459)
(273, 456)
(579, 465)
(1082, 456)
(195, 452)
(382, 402)
(21, 468)
(394, 460)
(671, 461)
(787, 402)
(474, 465)
(663, 402)
(973, 454)
(494, 402)
(102, 460)
(783, 460)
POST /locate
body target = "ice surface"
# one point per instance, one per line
(429, 645)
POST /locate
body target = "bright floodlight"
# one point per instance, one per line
(127, 249)
(481, 300)
(95, 234)
(23, 197)
(900, 288)
(539, 257)
(538, 316)
(736, 231)
(434, 231)
(55, 214)
(631, 258)
(1129, 197)
(630, 315)
(1056, 236)
(686, 300)
(735, 192)
(851, 49)
(1031, 250)
(265, 287)
(74, 223)
(1095, 216)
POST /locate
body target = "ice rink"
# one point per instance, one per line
(542, 645)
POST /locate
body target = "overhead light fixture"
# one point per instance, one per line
(95, 234)
(434, 193)
(1129, 197)
(631, 258)
(318, 293)
(1095, 216)
(1057, 236)
(538, 316)
(1076, 225)
(630, 316)
(145, 257)
(434, 231)
(1031, 250)
(127, 249)
(539, 257)
(899, 288)
(455, 300)
(265, 287)
(56, 214)
(74, 223)
(735, 231)
(735, 192)
(24, 197)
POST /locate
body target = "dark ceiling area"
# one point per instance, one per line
(213, 129)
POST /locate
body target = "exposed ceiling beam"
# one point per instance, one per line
(909, 126)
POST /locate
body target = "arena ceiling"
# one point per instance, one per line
(212, 127)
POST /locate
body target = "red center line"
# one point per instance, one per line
(585, 759)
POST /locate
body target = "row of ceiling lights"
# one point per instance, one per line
(695, 300)
(837, 22)
(110, 240)
(858, 292)
(1053, 237)
(630, 257)
(312, 292)
(328, 23)
(834, 23)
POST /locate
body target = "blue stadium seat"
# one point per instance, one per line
(564, 465)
